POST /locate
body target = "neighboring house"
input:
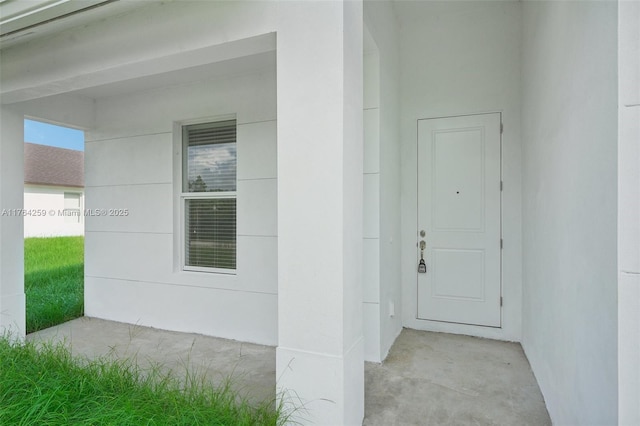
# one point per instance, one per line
(53, 191)
(286, 166)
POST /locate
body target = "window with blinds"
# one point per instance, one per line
(209, 195)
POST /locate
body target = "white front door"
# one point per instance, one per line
(459, 215)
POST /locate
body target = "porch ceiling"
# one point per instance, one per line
(22, 21)
(209, 71)
(229, 58)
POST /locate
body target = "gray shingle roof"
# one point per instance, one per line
(47, 165)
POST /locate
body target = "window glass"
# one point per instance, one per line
(209, 185)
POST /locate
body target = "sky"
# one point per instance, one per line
(52, 135)
(215, 164)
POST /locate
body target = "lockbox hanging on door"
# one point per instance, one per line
(422, 266)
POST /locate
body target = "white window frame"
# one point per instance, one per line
(180, 226)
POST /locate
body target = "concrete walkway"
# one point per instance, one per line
(446, 379)
(427, 379)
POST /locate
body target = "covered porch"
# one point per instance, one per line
(328, 101)
(428, 378)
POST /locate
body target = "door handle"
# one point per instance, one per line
(422, 266)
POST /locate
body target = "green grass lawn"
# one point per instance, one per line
(45, 385)
(53, 280)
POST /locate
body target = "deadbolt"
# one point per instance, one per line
(422, 233)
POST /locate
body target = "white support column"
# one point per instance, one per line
(320, 357)
(629, 213)
(12, 299)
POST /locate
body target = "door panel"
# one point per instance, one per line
(459, 210)
(451, 281)
(458, 163)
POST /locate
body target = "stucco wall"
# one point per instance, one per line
(570, 207)
(629, 212)
(383, 303)
(462, 58)
(50, 199)
(131, 267)
(12, 298)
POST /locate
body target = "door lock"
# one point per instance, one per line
(422, 266)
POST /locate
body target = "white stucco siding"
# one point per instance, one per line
(12, 297)
(45, 205)
(320, 184)
(382, 295)
(463, 58)
(629, 212)
(386, 34)
(570, 207)
(133, 270)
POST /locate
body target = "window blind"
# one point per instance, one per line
(210, 157)
(211, 233)
(209, 185)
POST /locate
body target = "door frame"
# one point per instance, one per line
(511, 291)
(417, 226)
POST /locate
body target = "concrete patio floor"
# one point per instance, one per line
(427, 379)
